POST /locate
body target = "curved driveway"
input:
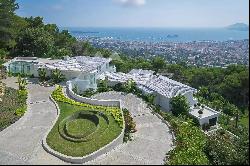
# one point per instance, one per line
(20, 143)
(151, 142)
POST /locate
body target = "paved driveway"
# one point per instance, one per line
(151, 141)
(20, 143)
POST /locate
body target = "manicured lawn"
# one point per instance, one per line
(108, 132)
(11, 101)
(81, 127)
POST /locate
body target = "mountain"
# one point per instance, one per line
(238, 27)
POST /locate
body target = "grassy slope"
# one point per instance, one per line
(56, 142)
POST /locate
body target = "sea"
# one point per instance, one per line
(159, 34)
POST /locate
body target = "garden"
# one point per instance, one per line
(13, 106)
(81, 128)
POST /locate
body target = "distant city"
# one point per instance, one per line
(198, 53)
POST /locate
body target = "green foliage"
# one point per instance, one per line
(179, 105)
(22, 83)
(88, 93)
(75, 89)
(3, 55)
(230, 109)
(129, 86)
(158, 63)
(21, 111)
(35, 42)
(115, 112)
(22, 95)
(13, 105)
(57, 76)
(130, 126)
(224, 149)
(42, 74)
(103, 86)
(190, 143)
(103, 135)
(7, 23)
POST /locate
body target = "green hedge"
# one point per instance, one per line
(114, 111)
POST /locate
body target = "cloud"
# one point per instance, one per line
(131, 2)
(57, 7)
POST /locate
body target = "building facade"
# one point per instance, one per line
(83, 71)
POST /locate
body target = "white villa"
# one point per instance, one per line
(164, 89)
(83, 72)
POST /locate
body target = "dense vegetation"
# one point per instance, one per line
(224, 149)
(13, 106)
(190, 143)
(31, 37)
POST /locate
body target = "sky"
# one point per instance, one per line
(137, 13)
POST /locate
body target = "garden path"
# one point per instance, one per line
(21, 143)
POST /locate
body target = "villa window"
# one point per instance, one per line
(28, 69)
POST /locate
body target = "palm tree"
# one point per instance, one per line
(22, 83)
(57, 76)
(42, 74)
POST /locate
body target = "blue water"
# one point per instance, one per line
(161, 34)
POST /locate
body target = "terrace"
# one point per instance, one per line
(205, 115)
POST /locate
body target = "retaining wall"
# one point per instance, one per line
(112, 103)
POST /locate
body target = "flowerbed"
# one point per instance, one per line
(129, 125)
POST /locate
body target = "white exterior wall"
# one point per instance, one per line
(190, 98)
(85, 81)
(69, 75)
(206, 119)
(113, 103)
(163, 101)
(105, 67)
(35, 71)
